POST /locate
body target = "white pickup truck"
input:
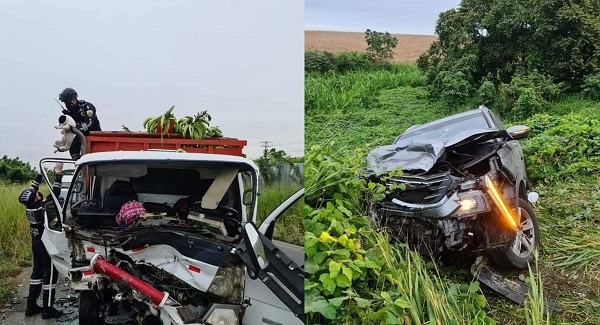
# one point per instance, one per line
(196, 257)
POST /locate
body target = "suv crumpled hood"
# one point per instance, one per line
(422, 155)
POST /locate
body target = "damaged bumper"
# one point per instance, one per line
(458, 204)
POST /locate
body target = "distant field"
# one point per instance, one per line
(408, 50)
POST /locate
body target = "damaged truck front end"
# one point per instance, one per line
(183, 261)
(464, 188)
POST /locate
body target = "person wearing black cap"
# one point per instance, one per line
(44, 275)
(84, 114)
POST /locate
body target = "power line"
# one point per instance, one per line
(266, 144)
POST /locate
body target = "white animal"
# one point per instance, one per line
(65, 124)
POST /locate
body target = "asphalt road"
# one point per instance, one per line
(13, 313)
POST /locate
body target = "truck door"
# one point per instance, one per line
(54, 237)
(268, 300)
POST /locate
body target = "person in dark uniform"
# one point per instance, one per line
(44, 275)
(84, 114)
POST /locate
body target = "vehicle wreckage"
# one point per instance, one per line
(194, 257)
(463, 188)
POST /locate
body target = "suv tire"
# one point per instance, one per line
(508, 258)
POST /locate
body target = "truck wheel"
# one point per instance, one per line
(89, 308)
(520, 252)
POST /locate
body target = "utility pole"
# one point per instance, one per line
(266, 145)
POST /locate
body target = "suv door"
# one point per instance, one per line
(54, 237)
(269, 298)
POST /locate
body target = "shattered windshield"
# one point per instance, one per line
(445, 130)
(184, 194)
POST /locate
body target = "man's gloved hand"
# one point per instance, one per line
(82, 127)
(65, 112)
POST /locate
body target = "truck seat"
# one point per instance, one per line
(199, 192)
(119, 193)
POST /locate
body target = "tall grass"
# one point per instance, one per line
(289, 227)
(535, 304)
(345, 92)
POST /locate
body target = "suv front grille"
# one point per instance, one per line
(425, 189)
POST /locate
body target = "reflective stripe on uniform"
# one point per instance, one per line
(35, 281)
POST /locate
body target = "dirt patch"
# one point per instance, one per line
(408, 50)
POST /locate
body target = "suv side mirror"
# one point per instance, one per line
(518, 132)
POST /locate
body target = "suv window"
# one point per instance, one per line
(497, 121)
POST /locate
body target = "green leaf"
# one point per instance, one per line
(323, 307)
(479, 300)
(391, 319)
(371, 265)
(473, 287)
(337, 302)
(320, 257)
(334, 268)
(402, 303)
(310, 240)
(347, 272)
(386, 296)
(328, 282)
(342, 281)
(309, 285)
(311, 267)
(362, 303)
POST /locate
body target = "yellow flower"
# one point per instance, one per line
(326, 237)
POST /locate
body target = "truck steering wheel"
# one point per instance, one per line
(226, 212)
(78, 203)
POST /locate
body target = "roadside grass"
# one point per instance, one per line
(289, 227)
(568, 211)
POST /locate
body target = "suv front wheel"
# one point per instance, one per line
(520, 252)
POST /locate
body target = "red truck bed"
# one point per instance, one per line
(135, 141)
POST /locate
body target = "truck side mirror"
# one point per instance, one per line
(252, 251)
(247, 199)
(78, 187)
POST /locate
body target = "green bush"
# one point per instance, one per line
(591, 87)
(561, 39)
(318, 61)
(526, 94)
(324, 62)
(487, 93)
(353, 61)
(452, 86)
(562, 147)
(13, 170)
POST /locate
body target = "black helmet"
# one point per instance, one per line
(27, 196)
(67, 94)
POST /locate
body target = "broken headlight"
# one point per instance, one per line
(472, 202)
(223, 314)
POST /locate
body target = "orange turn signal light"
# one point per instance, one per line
(497, 198)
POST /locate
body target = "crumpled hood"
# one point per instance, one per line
(422, 155)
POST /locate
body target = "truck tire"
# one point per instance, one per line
(89, 308)
(520, 252)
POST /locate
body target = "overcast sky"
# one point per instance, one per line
(394, 16)
(240, 60)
